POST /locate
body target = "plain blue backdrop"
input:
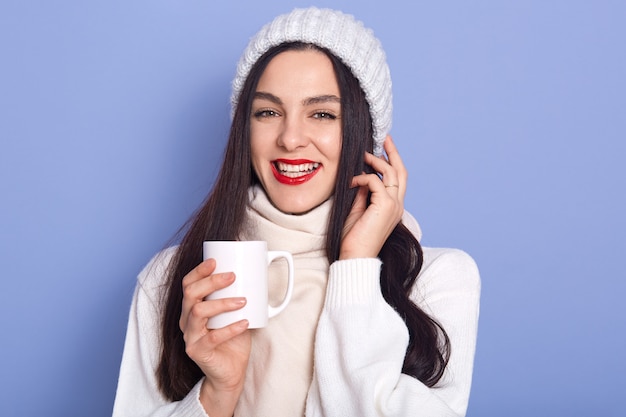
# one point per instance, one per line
(509, 115)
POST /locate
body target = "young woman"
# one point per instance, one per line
(377, 325)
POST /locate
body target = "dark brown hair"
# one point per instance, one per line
(428, 351)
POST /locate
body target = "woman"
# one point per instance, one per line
(376, 325)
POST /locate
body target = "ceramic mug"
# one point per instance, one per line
(249, 260)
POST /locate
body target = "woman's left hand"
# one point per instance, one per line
(368, 226)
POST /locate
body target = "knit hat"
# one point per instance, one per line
(344, 36)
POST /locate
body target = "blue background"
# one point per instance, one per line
(509, 115)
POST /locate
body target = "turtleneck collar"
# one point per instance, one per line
(297, 233)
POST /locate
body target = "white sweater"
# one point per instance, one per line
(338, 348)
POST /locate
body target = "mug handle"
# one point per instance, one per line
(271, 255)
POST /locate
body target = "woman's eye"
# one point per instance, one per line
(324, 115)
(265, 113)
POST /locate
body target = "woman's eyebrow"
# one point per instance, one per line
(268, 96)
(326, 98)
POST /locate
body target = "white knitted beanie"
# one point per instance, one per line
(344, 36)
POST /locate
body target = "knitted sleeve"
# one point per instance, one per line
(361, 341)
(137, 391)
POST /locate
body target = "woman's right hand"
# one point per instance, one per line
(222, 354)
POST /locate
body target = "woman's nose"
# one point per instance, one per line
(293, 134)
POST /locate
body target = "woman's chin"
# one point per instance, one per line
(295, 207)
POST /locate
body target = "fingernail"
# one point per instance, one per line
(238, 301)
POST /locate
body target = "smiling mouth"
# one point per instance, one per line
(294, 172)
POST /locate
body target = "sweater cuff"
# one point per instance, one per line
(353, 282)
(191, 405)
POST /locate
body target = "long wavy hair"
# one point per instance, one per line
(429, 348)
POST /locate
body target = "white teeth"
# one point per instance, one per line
(293, 171)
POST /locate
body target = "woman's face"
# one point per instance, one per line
(295, 130)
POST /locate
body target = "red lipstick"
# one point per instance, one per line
(294, 171)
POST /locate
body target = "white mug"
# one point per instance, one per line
(249, 260)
